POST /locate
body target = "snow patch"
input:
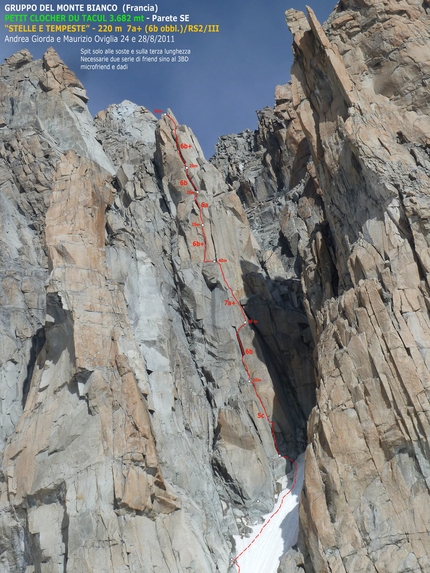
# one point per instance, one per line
(267, 546)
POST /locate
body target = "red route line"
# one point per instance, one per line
(246, 322)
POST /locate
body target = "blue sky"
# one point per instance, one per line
(230, 75)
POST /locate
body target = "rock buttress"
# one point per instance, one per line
(365, 503)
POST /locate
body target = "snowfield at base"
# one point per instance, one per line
(278, 536)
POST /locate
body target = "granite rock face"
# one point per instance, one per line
(130, 435)
(358, 89)
(353, 202)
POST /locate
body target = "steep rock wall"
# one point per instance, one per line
(365, 501)
(321, 215)
(134, 440)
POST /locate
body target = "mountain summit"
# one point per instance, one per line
(176, 332)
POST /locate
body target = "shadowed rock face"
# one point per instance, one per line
(130, 434)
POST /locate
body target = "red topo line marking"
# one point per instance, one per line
(246, 322)
(263, 527)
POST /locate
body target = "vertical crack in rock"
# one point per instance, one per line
(130, 435)
(37, 343)
(365, 498)
(140, 378)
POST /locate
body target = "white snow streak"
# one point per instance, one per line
(278, 536)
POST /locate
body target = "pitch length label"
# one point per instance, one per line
(234, 302)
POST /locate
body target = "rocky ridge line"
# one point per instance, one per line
(364, 505)
(328, 250)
